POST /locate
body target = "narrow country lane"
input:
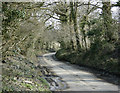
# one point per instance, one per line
(76, 77)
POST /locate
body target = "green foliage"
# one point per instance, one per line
(44, 82)
(17, 44)
(61, 54)
(103, 35)
(94, 32)
(11, 15)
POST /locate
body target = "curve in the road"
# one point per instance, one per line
(76, 78)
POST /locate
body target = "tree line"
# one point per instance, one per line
(87, 36)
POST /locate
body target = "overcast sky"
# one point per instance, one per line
(114, 11)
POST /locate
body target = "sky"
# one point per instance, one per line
(114, 10)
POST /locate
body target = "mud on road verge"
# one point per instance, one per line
(55, 82)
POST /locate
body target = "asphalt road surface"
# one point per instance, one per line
(76, 77)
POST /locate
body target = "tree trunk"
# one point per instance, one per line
(73, 17)
(107, 17)
(72, 41)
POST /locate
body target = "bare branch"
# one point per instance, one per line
(90, 4)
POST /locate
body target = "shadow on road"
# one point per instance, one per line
(110, 78)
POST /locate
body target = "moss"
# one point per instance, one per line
(44, 82)
(27, 85)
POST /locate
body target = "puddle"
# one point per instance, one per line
(55, 82)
